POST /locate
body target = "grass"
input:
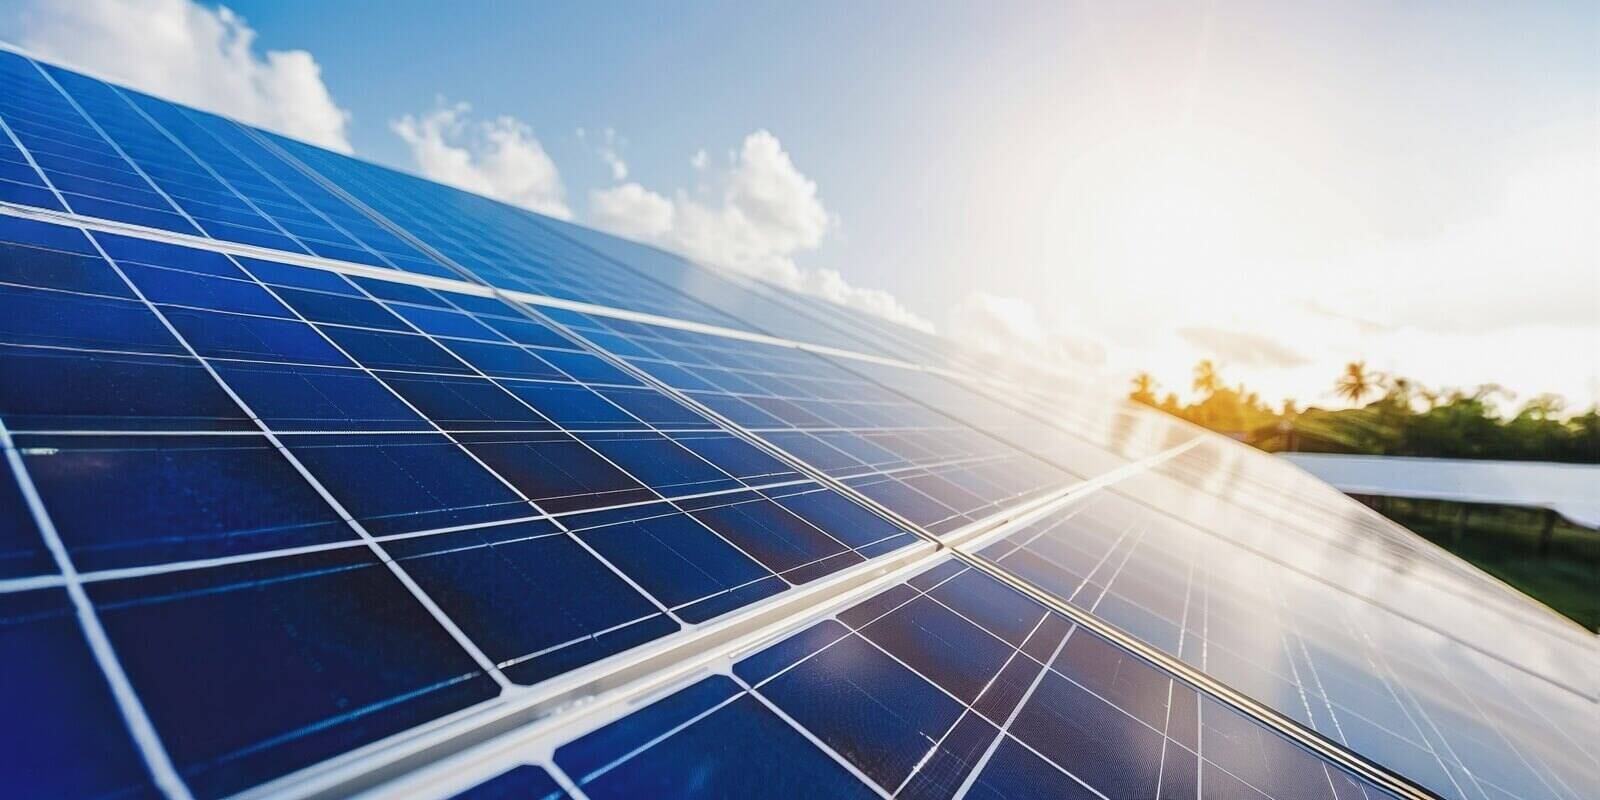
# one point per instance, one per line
(1504, 542)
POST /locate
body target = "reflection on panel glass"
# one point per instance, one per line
(948, 684)
(1376, 649)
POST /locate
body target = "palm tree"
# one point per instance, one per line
(1144, 388)
(1355, 383)
(1206, 379)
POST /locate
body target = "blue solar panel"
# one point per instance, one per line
(1286, 634)
(313, 435)
(948, 682)
(935, 469)
(314, 482)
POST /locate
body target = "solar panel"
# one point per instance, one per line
(322, 478)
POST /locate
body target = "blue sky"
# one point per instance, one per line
(1282, 187)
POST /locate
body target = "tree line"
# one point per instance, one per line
(1390, 415)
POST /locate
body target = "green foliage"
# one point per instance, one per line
(1407, 420)
(1506, 542)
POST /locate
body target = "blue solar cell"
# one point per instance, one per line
(217, 335)
(813, 451)
(659, 463)
(298, 277)
(945, 770)
(121, 501)
(62, 390)
(737, 457)
(127, 249)
(1006, 614)
(22, 551)
(655, 408)
(586, 758)
(588, 369)
(767, 663)
(715, 749)
(848, 522)
(524, 331)
(1009, 686)
(39, 317)
(571, 406)
(676, 559)
(905, 501)
(533, 598)
(58, 707)
(946, 649)
(524, 782)
(393, 483)
(740, 412)
(1013, 771)
(44, 235)
(291, 397)
(1116, 676)
(876, 713)
(167, 286)
(445, 323)
(398, 351)
(778, 539)
(503, 361)
(405, 293)
(1090, 738)
(341, 309)
(54, 269)
(555, 470)
(482, 306)
(253, 670)
(463, 403)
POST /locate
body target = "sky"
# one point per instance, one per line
(1280, 187)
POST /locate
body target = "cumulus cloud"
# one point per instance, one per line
(1244, 348)
(631, 210)
(498, 158)
(192, 54)
(1013, 326)
(763, 212)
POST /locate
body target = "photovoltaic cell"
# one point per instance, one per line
(58, 707)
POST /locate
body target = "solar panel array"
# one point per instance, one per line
(322, 478)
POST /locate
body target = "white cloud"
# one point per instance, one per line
(499, 158)
(765, 212)
(1014, 327)
(631, 210)
(192, 54)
